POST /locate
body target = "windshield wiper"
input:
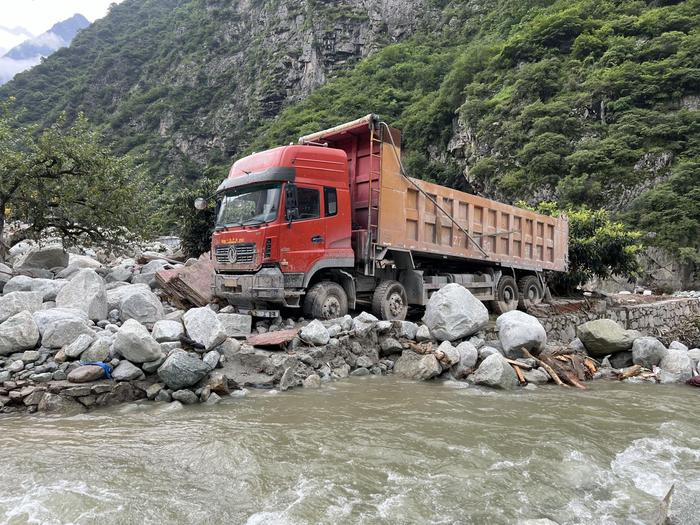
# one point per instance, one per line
(249, 223)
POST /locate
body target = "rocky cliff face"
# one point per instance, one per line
(188, 81)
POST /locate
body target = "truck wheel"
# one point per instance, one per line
(506, 295)
(326, 300)
(531, 291)
(389, 301)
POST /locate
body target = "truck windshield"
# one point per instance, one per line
(249, 205)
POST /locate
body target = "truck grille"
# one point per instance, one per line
(242, 253)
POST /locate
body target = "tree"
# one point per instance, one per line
(598, 247)
(64, 181)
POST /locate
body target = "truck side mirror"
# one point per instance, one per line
(200, 203)
(291, 212)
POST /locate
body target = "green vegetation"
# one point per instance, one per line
(589, 103)
(64, 181)
(598, 246)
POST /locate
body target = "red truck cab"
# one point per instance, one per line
(282, 216)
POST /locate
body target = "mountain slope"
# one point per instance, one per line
(31, 51)
(185, 83)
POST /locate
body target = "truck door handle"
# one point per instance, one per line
(316, 239)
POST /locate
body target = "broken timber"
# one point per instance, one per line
(189, 285)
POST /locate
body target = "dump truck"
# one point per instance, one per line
(335, 223)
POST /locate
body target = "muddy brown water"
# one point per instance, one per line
(363, 450)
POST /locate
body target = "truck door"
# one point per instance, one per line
(304, 241)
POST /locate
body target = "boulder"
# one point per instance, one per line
(54, 403)
(604, 336)
(127, 371)
(495, 372)
(120, 274)
(5, 275)
(136, 301)
(468, 356)
(694, 355)
(676, 367)
(61, 326)
(16, 302)
(648, 352)
(186, 397)
(182, 369)
(450, 355)
(211, 359)
(49, 288)
(415, 366)
(203, 327)
(313, 381)
(135, 343)
(47, 257)
(537, 376)
(454, 313)
(423, 334)
(86, 374)
(86, 292)
(518, 330)
(168, 331)
(315, 333)
(78, 346)
(405, 329)
(98, 350)
(620, 360)
(18, 333)
(235, 325)
(677, 345)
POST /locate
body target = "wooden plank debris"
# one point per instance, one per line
(190, 285)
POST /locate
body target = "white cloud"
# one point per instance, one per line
(38, 16)
(9, 67)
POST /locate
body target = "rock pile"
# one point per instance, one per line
(75, 334)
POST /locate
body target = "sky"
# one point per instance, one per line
(38, 16)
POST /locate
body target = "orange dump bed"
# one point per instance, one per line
(405, 213)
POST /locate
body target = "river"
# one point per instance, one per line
(364, 450)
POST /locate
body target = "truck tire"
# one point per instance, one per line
(326, 300)
(390, 301)
(531, 291)
(506, 295)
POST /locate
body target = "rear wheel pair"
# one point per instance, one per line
(528, 291)
(328, 300)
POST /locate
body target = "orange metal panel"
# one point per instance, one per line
(510, 236)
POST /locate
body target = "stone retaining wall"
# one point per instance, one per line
(667, 320)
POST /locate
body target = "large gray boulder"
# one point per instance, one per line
(136, 301)
(55, 403)
(315, 333)
(18, 333)
(468, 356)
(49, 288)
(454, 313)
(61, 326)
(676, 367)
(604, 336)
(165, 331)
(182, 369)
(203, 327)
(648, 351)
(415, 366)
(16, 302)
(79, 346)
(518, 330)
(235, 325)
(694, 355)
(86, 292)
(5, 275)
(48, 257)
(495, 372)
(147, 275)
(127, 371)
(135, 343)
